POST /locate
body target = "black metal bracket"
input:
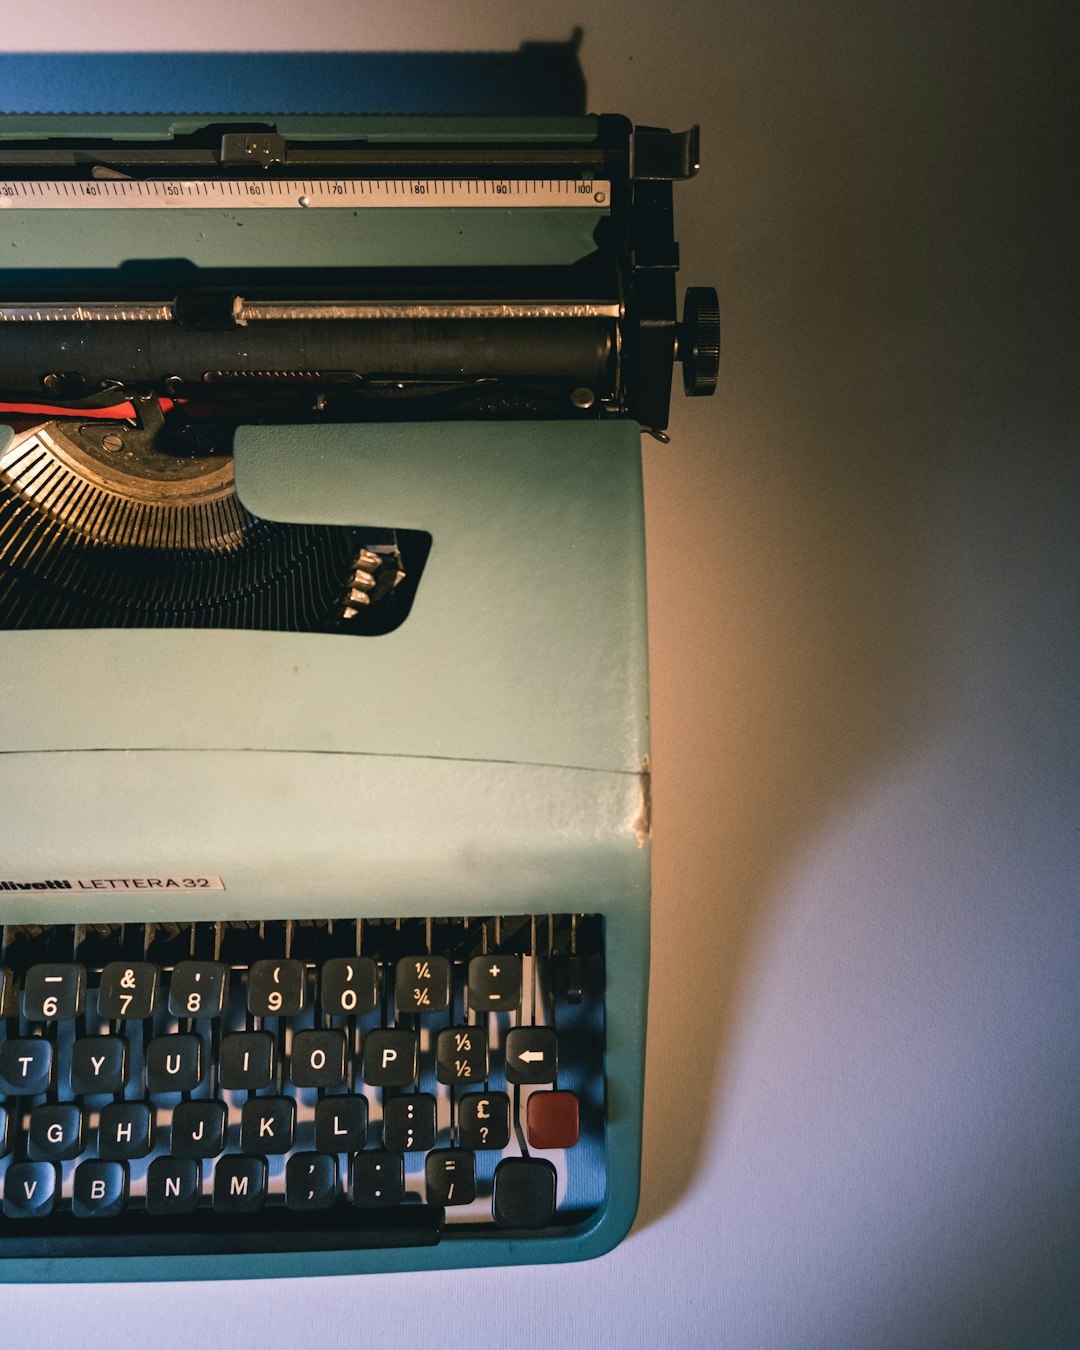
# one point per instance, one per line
(659, 156)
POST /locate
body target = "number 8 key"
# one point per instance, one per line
(198, 989)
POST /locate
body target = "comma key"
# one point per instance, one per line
(311, 1181)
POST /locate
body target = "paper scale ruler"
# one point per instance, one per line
(301, 194)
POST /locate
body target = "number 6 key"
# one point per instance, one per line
(198, 989)
(54, 992)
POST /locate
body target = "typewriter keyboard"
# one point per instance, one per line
(291, 1085)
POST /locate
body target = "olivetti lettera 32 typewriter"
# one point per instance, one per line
(324, 867)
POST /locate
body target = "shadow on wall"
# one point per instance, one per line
(893, 441)
(796, 568)
(539, 79)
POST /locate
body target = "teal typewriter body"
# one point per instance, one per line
(324, 856)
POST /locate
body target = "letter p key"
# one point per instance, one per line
(390, 1057)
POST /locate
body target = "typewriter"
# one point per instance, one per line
(324, 866)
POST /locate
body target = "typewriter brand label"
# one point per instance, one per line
(117, 884)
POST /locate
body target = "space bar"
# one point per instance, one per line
(205, 1233)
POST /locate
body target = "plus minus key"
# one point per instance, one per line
(495, 983)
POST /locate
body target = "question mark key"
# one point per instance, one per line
(484, 1120)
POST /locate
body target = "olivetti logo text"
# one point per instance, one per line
(36, 886)
(193, 883)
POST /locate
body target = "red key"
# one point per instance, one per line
(551, 1119)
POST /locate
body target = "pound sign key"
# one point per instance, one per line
(484, 1120)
